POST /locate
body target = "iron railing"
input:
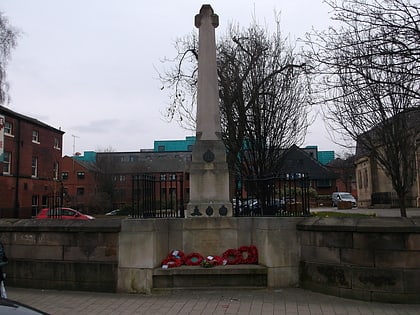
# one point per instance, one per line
(157, 196)
(280, 195)
(162, 196)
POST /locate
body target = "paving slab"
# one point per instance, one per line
(289, 301)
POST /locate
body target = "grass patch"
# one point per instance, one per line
(326, 214)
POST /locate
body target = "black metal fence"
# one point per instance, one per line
(163, 196)
(158, 196)
(54, 202)
(280, 195)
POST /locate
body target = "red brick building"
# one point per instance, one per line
(79, 179)
(168, 170)
(30, 156)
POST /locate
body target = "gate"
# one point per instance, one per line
(280, 195)
(157, 196)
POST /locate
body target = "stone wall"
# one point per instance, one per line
(374, 259)
(68, 254)
(122, 255)
(144, 244)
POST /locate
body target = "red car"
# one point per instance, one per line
(62, 213)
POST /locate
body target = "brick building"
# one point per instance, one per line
(30, 155)
(168, 169)
(79, 179)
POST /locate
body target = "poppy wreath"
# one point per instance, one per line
(249, 254)
(217, 260)
(193, 259)
(232, 256)
(211, 261)
(172, 262)
(177, 254)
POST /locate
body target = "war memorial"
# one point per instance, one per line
(374, 259)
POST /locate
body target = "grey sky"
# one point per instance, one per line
(89, 66)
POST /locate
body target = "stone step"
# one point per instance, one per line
(232, 276)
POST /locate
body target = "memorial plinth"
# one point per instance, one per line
(209, 174)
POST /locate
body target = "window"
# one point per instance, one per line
(122, 178)
(80, 175)
(359, 179)
(55, 171)
(365, 179)
(44, 201)
(35, 204)
(56, 143)
(161, 148)
(8, 128)
(7, 162)
(80, 191)
(162, 177)
(35, 136)
(64, 175)
(34, 166)
(323, 183)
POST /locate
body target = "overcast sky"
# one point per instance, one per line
(89, 66)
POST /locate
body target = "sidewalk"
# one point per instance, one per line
(392, 212)
(290, 301)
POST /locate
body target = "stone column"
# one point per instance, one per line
(209, 174)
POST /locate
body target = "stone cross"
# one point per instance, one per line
(209, 174)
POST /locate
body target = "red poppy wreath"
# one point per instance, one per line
(249, 254)
(172, 262)
(177, 254)
(193, 259)
(232, 256)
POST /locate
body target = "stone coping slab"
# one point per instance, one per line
(217, 270)
(53, 225)
(378, 224)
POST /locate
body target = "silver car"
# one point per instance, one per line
(343, 196)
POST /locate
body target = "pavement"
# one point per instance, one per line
(289, 301)
(392, 212)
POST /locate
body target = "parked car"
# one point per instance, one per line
(62, 213)
(343, 196)
(13, 307)
(249, 207)
(256, 207)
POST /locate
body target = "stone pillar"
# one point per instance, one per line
(209, 174)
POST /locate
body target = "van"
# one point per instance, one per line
(343, 196)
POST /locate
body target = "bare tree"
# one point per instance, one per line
(105, 164)
(8, 40)
(368, 77)
(263, 95)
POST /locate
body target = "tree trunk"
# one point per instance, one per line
(403, 211)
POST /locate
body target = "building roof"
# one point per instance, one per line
(147, 162)
(296, 160)
(411, 117)
(13, 114)
(88, 165)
